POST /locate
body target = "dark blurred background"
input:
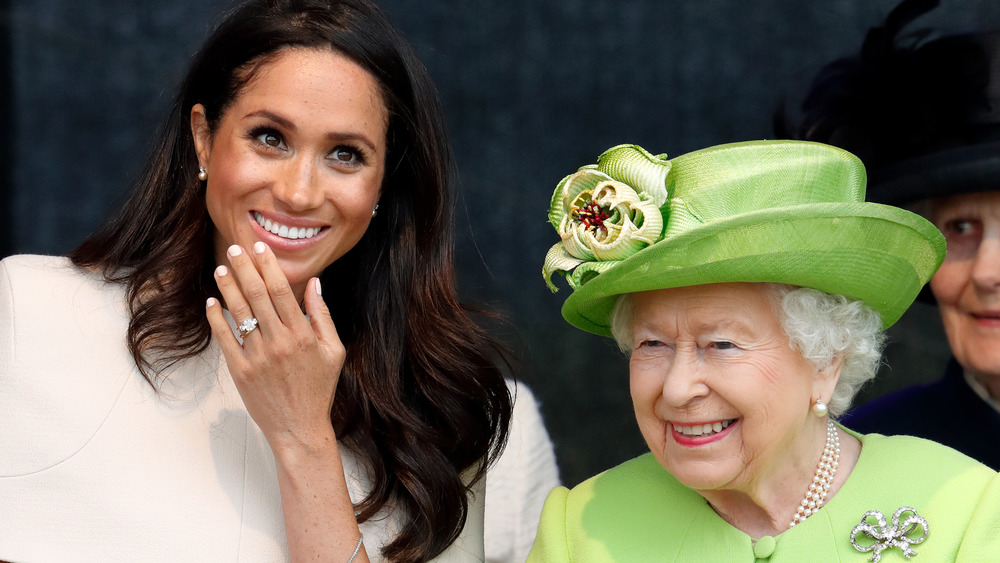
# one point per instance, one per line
(533, 89)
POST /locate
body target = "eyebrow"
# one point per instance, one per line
(287, 124)
(736, 325)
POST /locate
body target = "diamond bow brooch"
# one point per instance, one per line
(905, 522)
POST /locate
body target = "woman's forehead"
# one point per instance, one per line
(977, 204)
(730, 305)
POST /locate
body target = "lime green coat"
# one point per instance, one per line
(639, 512)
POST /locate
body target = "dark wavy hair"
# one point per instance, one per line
(421, 396)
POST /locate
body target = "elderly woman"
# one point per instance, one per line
(931, 137)
(750, 284)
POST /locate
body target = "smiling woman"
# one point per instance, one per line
(750, 320)
(354, 414)
(301, 151)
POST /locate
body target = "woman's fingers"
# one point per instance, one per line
(232, 294)
(247, 295)
(223, 333)
(281, 295)
(319, 317)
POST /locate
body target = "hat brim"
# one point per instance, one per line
(879, 254)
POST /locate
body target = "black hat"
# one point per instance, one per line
(922, 113)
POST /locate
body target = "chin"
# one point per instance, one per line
(296, 272)
(699, 475)
(988, 366)
(704, 477)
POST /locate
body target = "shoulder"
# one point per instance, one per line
(900, 399)
(901, 450)
(947, 411)
(62, 338)
(34, 280)
(34, 264)
(609, 513)
(49, 308)
(956, 494)
(519, 480)
(916, 472)
(638, 482)
(903, 411)
(528, 441)
(22, 267)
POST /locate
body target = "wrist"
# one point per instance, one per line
(292, 449)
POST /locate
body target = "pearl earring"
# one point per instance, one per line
(202, 173)
(819, 408)
(375, 211)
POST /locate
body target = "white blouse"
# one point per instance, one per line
(96, 466)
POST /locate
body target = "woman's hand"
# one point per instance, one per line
(287, 369)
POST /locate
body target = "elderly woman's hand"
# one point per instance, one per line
(287, 369)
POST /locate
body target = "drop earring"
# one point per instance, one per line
(202, 173)
(819, 408)
(375, 210)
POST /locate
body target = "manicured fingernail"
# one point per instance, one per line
(210, 303)
(235, 250)
(319, 290)
(221, 271)
(258, 247)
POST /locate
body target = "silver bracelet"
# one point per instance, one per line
(357, 548)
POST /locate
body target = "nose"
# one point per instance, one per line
(298, 185)
(683, 381)
(986, 267)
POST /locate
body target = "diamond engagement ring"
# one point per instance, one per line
(247, 326)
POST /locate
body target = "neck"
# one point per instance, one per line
(987, 384)
(768, 504)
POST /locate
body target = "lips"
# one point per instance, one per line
(290, 232)
(706, 429)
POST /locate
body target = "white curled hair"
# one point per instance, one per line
(820, 326)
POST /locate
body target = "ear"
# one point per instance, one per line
(826, 380)
(202, 135)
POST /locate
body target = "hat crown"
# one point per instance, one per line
(731, 180)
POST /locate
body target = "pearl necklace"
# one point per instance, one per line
(823, 478)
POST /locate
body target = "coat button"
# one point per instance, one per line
(764, 547)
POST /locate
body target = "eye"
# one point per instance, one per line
(267, 137)
(724, 346)
(960, 227)
(347, 155)
(963, 236)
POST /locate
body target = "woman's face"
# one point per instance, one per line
(967, 286)
(721, 399)
(296, 161)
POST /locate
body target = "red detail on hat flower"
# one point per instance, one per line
(592, 216)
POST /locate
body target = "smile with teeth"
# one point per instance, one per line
(284, 231)
(703, 429)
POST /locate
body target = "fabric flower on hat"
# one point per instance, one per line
(606, 212)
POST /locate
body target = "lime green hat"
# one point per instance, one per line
(789, 212)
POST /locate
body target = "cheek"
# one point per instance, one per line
(230, 178)
(948, 282)
(354, 197)
(645, 389)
